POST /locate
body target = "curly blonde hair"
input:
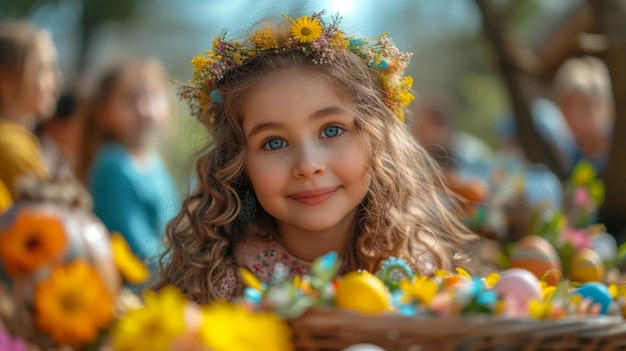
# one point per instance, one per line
(406, 213)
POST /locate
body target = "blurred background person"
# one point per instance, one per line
(61, 136)
(464, 158)
(30, 82)
(132, 189)
(582, 91)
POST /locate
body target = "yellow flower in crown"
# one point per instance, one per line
(306, 29)
(308, 35)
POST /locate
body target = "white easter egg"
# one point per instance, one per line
(605, 245)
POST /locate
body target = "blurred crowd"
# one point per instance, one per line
(101, 138)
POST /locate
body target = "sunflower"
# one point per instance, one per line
(228, 326)
(73, 304)
(420, 288)
(34, 239)
(132, 268)
(306, 29)
(154, 326)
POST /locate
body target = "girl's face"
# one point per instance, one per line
(303, 153)
(136, 105)
(41, 81)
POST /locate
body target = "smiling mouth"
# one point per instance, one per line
(313, 197)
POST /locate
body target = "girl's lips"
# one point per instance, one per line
(313, 197)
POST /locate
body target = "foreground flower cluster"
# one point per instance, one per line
(60, 288)
(395, 289)
(61, 276)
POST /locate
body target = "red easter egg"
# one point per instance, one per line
(538, 256)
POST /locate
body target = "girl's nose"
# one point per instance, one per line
(309, 161)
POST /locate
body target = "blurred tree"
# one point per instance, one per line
(93, 15)
(610, 16)
(523, 70)
(515, 64)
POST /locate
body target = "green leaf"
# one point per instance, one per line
(561, 292)
(596, 191)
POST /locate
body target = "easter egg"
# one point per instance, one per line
(598, 293)
(518, 286)
(587, 266)
(538, 256)
(362, 292)
(605, 245)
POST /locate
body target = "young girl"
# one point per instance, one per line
(133, 192)
(30, 81)
(308, 155)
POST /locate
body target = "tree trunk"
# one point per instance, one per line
(611, 16)
(519, 86)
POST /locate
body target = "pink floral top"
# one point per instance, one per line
(259, 257)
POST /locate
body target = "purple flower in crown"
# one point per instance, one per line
(320, 43)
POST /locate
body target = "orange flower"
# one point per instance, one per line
(73, 304)
(34, 239)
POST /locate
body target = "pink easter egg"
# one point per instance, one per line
(518, 286)
(538, 256)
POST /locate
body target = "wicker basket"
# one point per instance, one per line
(336, 329)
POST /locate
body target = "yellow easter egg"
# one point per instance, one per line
(538, 256)
(362, 292)
(587, 266)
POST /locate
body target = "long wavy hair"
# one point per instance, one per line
(407, 211)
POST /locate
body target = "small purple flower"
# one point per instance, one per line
(8, 343)
(222, 47)
(320, 43)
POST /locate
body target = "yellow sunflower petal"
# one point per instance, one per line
(131, 267)
(441, 273)
(492, 279)
(250, 279)
(462, 272)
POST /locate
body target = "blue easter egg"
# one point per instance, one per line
(598, 293)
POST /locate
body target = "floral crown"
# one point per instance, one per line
(312, 36)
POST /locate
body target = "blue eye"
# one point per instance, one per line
(275, 144)
(332, 131)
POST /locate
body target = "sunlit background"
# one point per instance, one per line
(450, 51)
